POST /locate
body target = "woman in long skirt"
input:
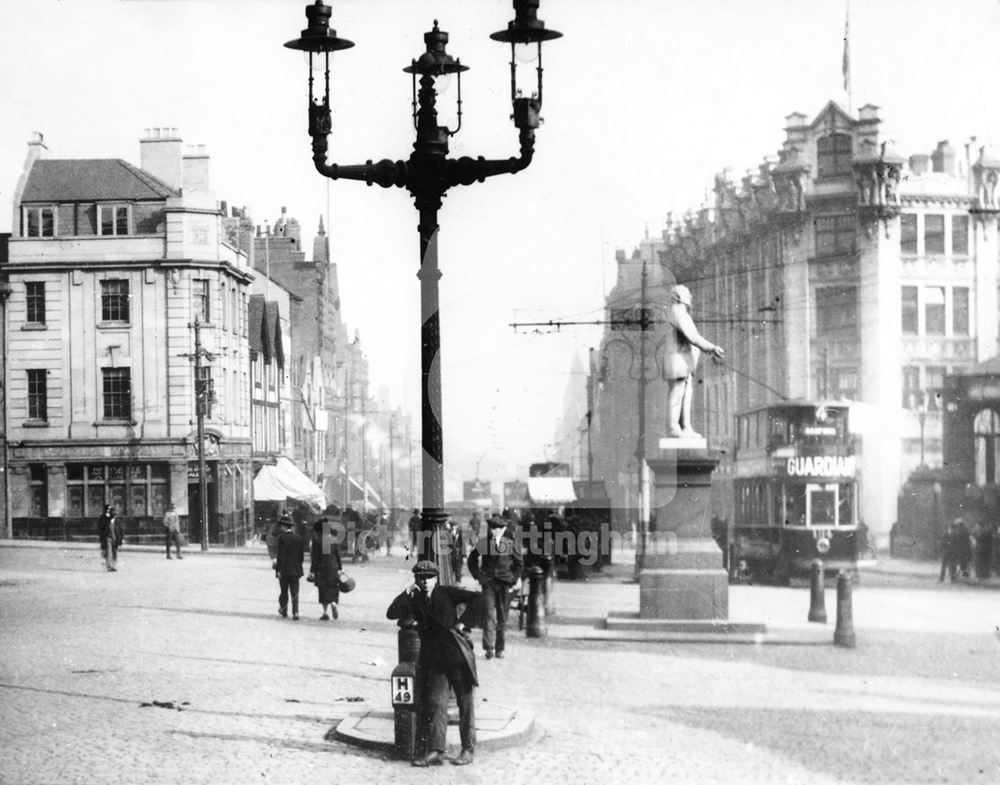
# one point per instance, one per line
(325, 567)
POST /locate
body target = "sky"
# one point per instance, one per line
(645, 101)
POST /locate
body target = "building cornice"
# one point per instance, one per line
(953, 200)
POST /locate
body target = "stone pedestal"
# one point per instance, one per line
(682, 584)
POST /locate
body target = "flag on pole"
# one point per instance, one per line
(846, 64)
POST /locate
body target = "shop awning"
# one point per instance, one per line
(284, 480)
(551, 490)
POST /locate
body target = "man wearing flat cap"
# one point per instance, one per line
(446, 659)
(496, 562)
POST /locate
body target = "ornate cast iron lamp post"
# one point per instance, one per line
(427, 175)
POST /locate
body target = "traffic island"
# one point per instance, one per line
(497, 727)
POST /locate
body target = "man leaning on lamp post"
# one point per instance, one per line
(683, 347)
(446, 660)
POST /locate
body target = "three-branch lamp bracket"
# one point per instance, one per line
(525, 34)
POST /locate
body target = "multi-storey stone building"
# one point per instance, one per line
(842, 270)
(113, 270)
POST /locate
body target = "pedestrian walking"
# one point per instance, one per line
(110, 534)
(456, 546)
(273, 533)
(172, 530)
(352, 525)
(496, 562)
(984, 549)
(963, 546)
(414, 526)
(325, 567)
(288, 568)
(476, 525)
(949, 556)
(447, 659)
(389, 521)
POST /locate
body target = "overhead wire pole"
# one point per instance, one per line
(8, 522)
(203, 394)
(640, 450)
(392, 467)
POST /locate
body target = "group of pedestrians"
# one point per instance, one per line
(962, 548)
(444, 615)
(326, 569)
(111, 534)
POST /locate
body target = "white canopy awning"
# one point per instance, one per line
(551, 490)
(285, 481)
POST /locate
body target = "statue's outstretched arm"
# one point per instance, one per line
(683, 322)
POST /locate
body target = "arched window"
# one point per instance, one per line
(986, 428)
(833, 156)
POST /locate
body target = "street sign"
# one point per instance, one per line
(402, 690)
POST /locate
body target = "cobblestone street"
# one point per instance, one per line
(247, 697)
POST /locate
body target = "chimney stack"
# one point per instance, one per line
(160, 155)
(943, 158)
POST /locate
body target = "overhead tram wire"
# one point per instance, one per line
(555, 325)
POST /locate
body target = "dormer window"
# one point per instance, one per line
(833, 156)
(112, 219)
(39, 221)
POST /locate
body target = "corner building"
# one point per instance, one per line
(111, 265)
(842, 270)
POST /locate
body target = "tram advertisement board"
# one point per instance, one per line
(816, 466)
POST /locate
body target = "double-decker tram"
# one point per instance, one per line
(795, 490)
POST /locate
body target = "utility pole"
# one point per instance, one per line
(640, 450)
(590, 418)
(8, 523)
(204, 394)
(347, 452)
(392, 469)
(409, 460)
(364, 451)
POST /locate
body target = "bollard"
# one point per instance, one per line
(817, 598)
(844, 634)
(535, 627)
(404, 690)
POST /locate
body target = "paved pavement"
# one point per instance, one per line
(182, 672)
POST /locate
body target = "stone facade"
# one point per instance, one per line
(840, 270)
(111, 266)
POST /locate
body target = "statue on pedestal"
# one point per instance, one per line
(682, 349)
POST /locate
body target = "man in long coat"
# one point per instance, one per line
(446, 659)
(288, 568)
(110, 534)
